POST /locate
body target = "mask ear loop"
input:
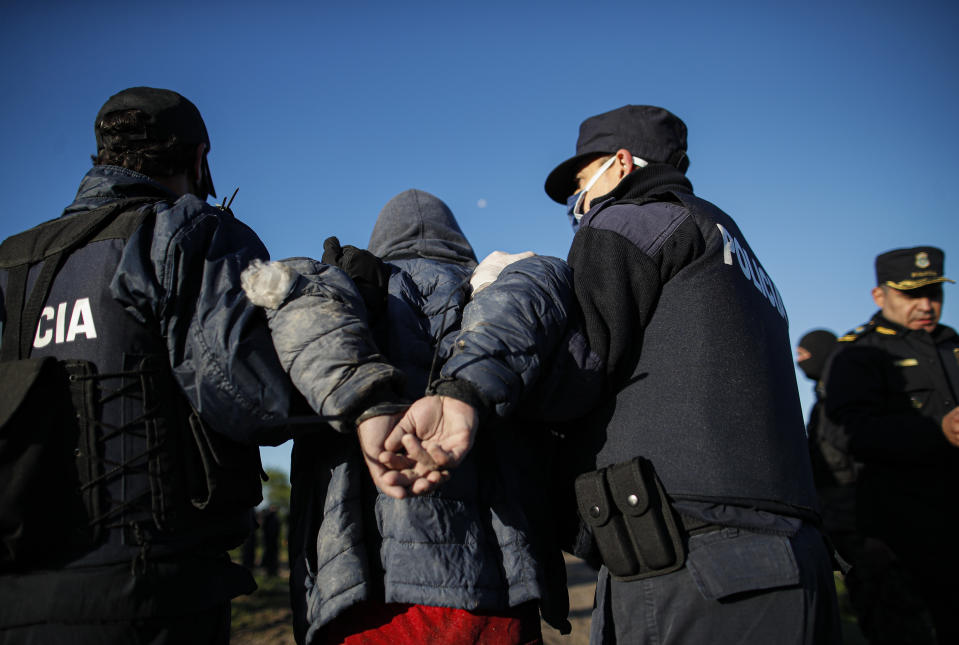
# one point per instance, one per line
(589, 184)
(642, 163)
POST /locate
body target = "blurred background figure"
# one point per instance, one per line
(890, 402)
(834, 472)
(270, 527)
(248, 554)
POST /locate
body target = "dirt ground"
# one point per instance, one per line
(581, 580)
(264, 617)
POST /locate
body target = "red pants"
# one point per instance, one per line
(401, 624)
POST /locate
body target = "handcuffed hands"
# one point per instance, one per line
(372, 434)
(413, 455)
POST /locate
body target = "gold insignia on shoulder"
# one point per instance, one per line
(886, 331)
(922, 260)
(859, 331)
(906, 362)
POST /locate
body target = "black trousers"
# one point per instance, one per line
(737, 587)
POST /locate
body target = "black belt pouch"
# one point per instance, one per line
(635, 528)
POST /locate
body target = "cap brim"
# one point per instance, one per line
(208, 178)
(560, 182)
(906, 285)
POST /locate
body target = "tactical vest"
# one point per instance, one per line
(102, 459)
(712, 402)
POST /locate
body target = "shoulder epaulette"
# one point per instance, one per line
(861, 331)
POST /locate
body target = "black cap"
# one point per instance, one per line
(649, 132)
(169, 113)
(912, 268)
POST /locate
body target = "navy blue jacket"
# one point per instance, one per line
(685, 361)
(171, 290)
(694, 337)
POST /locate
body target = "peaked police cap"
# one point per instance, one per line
(911, 268)
(649, 132)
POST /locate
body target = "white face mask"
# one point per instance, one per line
(577, 207)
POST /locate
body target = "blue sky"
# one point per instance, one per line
(828, 130)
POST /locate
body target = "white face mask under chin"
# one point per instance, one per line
(578, 206)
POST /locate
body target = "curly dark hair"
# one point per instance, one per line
(126, 142)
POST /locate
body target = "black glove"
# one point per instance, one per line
(367, 271)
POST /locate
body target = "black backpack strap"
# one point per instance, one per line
(13, 301)
(34, 305)
(50, 244)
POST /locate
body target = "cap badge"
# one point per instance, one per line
(922, 260)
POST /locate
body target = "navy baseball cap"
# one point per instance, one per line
(911, 268)
(169, 114)
(649, 132)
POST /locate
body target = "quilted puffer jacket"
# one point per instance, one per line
(482, 541)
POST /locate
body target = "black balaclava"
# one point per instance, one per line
(819, 343)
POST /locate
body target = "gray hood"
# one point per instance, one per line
(416, 224)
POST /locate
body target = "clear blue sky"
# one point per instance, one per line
(828, 130)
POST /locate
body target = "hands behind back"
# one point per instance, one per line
(433, 437)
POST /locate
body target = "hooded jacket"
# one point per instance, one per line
(479, 542)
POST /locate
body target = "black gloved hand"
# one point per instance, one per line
(370, 275)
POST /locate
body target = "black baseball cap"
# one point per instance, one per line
(649, 132)
(911, 268)
(169, 113)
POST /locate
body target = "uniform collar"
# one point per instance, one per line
(104, 184)
(887, 327)
(641, 186)
(653, 180)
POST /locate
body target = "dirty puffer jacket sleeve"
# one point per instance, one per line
(519, 343)
(321, 336)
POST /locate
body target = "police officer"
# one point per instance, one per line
(891, 391)
(700, 387)
(694, 485)
(137, 379)
(135, 293)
